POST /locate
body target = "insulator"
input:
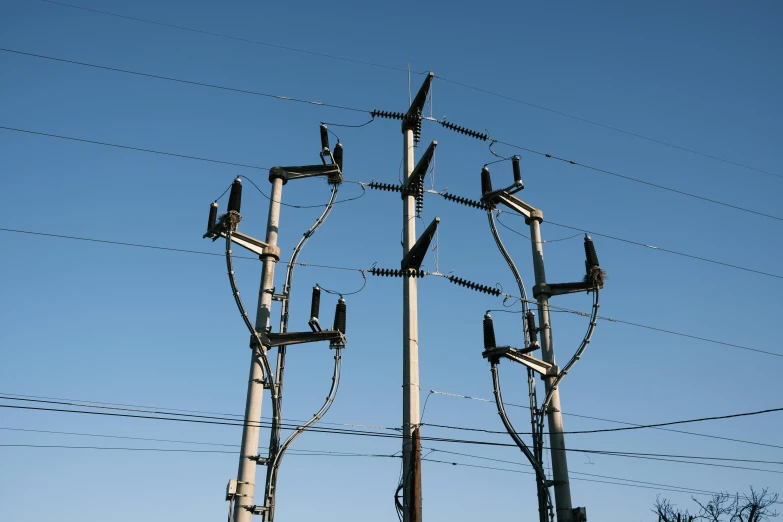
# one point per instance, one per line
(213, 208)
(517, 170)
(388, 114)
(474, 286)
(419, 197)
(339, 316)
(531, 327)
(384, 186)
(591, 258)
(338, 155)
(417, 130)
(486, 181)
(235, 196)
(473, 134)
(489, 332)
(324, 137)
(465, 201)
(315, 303)
(391, 272)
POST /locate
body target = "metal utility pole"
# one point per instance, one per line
(411, 451)
(554, 416)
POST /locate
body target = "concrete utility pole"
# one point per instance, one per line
(246, 475)
(411, 450)
(554, 415)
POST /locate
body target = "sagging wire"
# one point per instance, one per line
(577, 355)
(342, 294)
(538, 468)
(497, 218)
(231, 219)
(275, 450)
(536, 422)
(364, 191)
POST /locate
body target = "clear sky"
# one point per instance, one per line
(123, 325)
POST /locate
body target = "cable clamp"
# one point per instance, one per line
(261, 461)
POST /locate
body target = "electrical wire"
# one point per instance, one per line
(180, 80)
(448, 80)
(332, 267)
(643, 182)
(334, 431)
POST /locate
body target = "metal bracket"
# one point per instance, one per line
(417, 105)
(416, 254)
(550, 290)
(261, 461)
(332, 171)
(417, 176)
(254, 245)
(257, 510)
(288, 338)
(512, 354)
(512, 202)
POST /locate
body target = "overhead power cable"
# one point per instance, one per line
(180, 80)
(445, 79)
(728, 439)
(335, 431)
(642, 182)
(362, 270)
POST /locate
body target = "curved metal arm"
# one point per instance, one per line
(278, 458)
(577, 355)
(269, 377)
(540, 476)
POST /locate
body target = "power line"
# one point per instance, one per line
(448, 80)
(229, 37)
(335, 431)
(643, 182)
(682, 432)
(179, 80)
(332, 267)
(650, 247)
(286, 98)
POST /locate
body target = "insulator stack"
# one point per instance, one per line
(473, 134)
(517, 169)
(391, 272)
(489, 332)
(235, 197)
(338, 155)
(419, 197)
(474, 286)
(465, 201)
(417, 129)
(213, 208)
(315, 303)
(486, 181)
(384, 186)
(324, 138)
(388, 114)
(591, 258)
(339, 316)
(531, 327)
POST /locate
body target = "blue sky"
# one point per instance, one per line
(136, 326)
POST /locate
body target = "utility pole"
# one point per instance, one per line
(246, 475)
(546, 366)
(411, 450)
(554, 416)
(241, 492)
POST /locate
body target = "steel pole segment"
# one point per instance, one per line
(246, 476)
(554, 415)
(411, 457)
